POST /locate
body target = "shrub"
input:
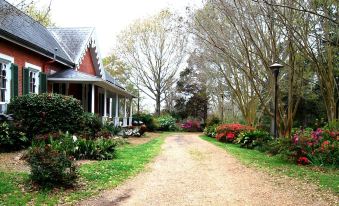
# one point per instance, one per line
(254, 139)
(10, 138)
(191, 125)
(142, 129)
(80, 148)
(50, 167)
(90, 124)
(228, 132)
(99, 149)
(112, 128)
(320, 147)
(211, 130)
(147, 120)
(43, 113)
(167, 123)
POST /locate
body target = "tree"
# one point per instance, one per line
(41, 15)
(192, 99)
(154, 49)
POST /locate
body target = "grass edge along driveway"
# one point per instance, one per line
(325, 178)
(107, 174)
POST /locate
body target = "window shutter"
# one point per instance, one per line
(14, 82)
(43, 82)
(25, 81)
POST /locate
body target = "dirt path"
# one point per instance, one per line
(190, 171)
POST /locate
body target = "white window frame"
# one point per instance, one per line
(36, 70)
(8, 60)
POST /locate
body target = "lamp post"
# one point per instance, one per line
(275, 70)
(222, 106)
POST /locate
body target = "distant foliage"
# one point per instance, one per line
(167, 123)
(213, 120)
(191, 125)
(43, 113)
(147, 119)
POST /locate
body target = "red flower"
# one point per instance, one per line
(303, 161)
(230, 136)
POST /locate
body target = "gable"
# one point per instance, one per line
(87, 65)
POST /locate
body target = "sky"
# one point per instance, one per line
(109, 17)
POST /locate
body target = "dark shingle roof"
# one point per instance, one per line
(73, 40)
(18, 26)
(110, 79)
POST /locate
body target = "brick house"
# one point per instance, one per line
(36, 59)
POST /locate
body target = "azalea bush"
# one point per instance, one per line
(191, 125)
(228, 132)
(320, 147)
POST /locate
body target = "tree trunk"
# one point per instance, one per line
(157, 105)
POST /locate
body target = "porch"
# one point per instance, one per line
(105, 98)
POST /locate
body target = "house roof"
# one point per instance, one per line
(73, 40)
(71, 75)
(21, 28)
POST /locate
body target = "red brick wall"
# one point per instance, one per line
(87, 65)
(22, 55)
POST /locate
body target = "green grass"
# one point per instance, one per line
(95, 177)
(327, 178)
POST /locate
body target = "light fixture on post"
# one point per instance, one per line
(275, 70)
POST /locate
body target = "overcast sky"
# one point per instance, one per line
(109, 17)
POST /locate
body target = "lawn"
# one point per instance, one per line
(130, 160)
(324, 177)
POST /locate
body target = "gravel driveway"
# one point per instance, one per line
(190, 171)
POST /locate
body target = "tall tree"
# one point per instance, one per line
(154, 49)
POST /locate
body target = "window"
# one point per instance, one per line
(3, 81)
(32, 81)
(34, 72)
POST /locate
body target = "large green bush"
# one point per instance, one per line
(147, 119)
(50, 167)
(43, 113)
(167, 123)
(211, 130)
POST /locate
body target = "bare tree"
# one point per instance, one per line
(154, 49)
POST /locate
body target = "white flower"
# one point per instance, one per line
(74, 138)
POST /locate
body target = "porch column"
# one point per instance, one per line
(125, 114)
(116, 118)
(93, 99)
(130, 113)
(110, 108)
(105, 106)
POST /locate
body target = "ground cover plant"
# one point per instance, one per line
(92, 177)
(325, 177)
